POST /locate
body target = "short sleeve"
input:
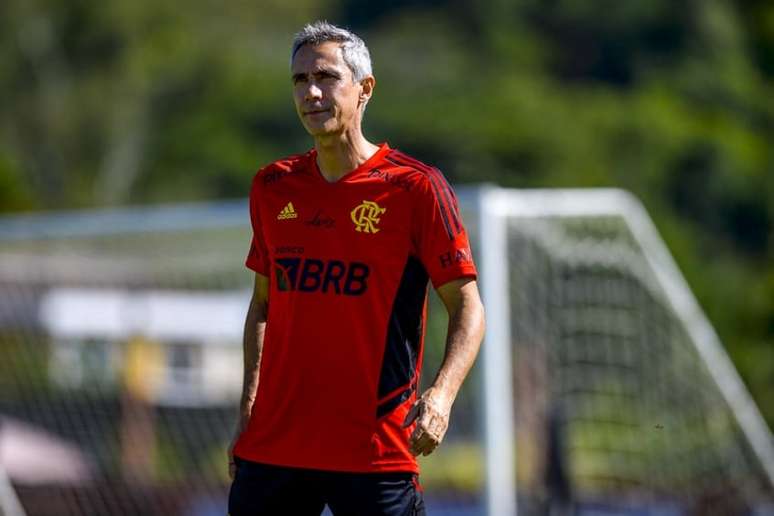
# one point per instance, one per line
(257, 256)
(439, 237)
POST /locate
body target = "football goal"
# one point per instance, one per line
(605, 388)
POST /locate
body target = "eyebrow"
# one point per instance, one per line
(320, 71)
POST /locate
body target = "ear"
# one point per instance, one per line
(367, 88)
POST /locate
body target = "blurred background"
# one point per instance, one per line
(110, 105)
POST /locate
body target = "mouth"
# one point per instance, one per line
(315, 112)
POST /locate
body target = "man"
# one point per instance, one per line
(345, 238)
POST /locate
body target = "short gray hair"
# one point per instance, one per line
(353, 49)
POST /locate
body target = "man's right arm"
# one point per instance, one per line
(255, 326)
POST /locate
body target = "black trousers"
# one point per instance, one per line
(267, 490)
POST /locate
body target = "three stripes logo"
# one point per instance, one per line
(288, 212)
(444, 196)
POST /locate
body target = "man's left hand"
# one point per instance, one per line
(431, 413)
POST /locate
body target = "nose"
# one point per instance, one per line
(313, 92)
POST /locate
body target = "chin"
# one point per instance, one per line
(322, 130)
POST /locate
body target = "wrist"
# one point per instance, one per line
(244, 417)
(441, 395)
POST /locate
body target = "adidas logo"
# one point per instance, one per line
(288, 212)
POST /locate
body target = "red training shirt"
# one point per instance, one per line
(348, 265)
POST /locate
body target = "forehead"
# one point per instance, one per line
(314, 57)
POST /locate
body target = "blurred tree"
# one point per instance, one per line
(127, 101)
(144, 101)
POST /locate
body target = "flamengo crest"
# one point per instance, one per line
(366, 216)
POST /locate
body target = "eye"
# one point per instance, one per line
(327, 76)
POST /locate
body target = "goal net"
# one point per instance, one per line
(120, 358)
(601, 371)
(600, 389)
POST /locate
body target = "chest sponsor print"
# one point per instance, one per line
(295, 274)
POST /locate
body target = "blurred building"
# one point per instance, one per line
(172, 348)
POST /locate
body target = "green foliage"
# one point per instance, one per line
(110, 103)
(14, 193)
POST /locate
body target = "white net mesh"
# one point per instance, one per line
(120, 370)
(120, 358)
(616, 411)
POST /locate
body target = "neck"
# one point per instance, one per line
(338, 154)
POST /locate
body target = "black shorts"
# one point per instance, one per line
(262, 489)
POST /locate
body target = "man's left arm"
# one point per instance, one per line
(466, 329)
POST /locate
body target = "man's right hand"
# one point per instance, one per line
(241, 427)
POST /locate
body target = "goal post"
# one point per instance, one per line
(562, 222)
(491, 240)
